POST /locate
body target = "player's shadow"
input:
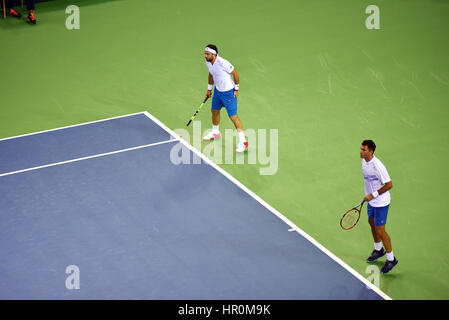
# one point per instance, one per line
(391, 275)
(377, 263)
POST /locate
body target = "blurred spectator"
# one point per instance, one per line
(13, 13)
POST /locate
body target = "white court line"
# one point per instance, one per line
(85, 158)
(71, 126)
(270, 208)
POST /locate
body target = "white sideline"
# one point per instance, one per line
(266, 205)
(85, 158)
(71, 126)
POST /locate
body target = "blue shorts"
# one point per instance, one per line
(225, 99)
(379, 214)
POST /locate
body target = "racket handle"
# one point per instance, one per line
(197, 111)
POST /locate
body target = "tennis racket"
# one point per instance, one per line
(351, 217)
(196, 112)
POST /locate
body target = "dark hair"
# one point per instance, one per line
(370, 144)
(212, 46)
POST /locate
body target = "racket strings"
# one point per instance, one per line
(350, 219)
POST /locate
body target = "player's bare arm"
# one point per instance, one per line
(385, 188)
(210, 81)
(235, 74)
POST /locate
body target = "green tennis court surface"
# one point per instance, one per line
(310, 69)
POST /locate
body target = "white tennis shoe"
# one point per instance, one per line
(242, 146)
(211, 136)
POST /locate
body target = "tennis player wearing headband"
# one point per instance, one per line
(225, 94)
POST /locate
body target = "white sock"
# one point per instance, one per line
(215, 129)
(242, 136)
(390, 256)
(378, 246)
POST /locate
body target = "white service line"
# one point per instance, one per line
(88, 157)
(270, 208)
(72, 126)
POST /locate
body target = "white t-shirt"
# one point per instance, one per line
(221, 72)
(375, 176)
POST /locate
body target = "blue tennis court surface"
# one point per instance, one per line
(104, 196)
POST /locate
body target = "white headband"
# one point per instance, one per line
(210, 50)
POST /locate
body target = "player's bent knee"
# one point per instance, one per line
(380, 229)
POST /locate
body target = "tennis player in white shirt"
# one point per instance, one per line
(377, 184)
(225, 94)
